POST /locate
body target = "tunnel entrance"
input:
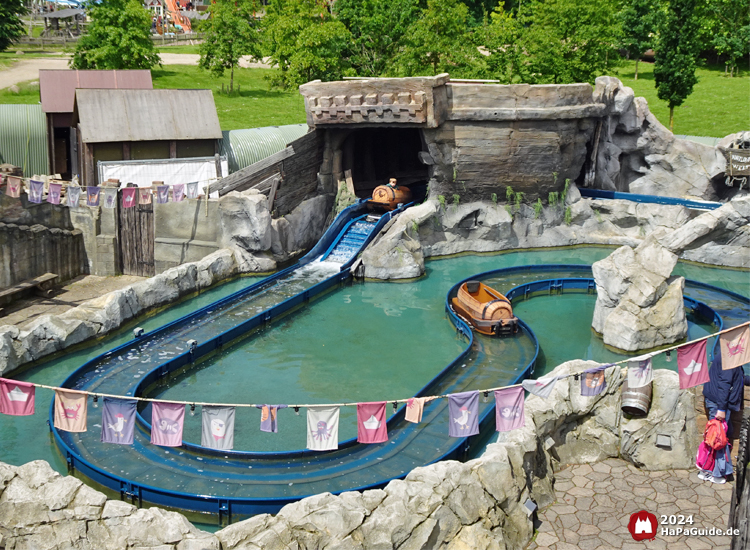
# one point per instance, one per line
(376, 154)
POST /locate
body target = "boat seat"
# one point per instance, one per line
(472, 286)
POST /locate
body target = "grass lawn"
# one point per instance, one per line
(254, 106)
(179, 49)
(29, 93)
(718, 106)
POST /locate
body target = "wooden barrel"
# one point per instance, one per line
(636, 401)
(389, 197)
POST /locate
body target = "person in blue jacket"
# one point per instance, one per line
(723, 394)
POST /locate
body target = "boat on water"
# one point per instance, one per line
(485, 309)
(390, 196)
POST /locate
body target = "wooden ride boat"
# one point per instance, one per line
(388, 198)
(485, 309)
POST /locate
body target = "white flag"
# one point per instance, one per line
(542, 386)
(217, 430)
(322, 428)
(640, 372)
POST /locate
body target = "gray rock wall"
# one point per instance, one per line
(477, 505)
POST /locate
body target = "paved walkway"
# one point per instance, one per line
(594, 504)
(72, 294)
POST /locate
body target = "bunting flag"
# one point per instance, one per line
(509, 409)
(463, 409)
(144, 196)
(593, 381)
(322, 428)
(217, 430)
(415, 408)
(640, 372)
(191, 190)
(110, 197)
(167, 420)
(162, 194)
(269, 417)
(542, 386)
(70, 410)
(692, 365)
(129, 197)
(735, 347)
(36, 190)
(92, 196)
(118, 420)
(16, 398)
(14, 187)
(178, 192)
(55, 190)
(74, 196)
(371, 427)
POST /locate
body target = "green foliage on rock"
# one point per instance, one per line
(230, 33)
(538, 208)
(11, 26)
(118, 37)
(676, 54)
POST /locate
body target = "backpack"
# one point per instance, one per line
(705, 459)
(715, 435)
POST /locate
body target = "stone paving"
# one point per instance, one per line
(594, 504)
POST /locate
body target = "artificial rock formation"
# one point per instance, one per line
(477, 505)
(638, 304)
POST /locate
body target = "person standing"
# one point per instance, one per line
(723, 395)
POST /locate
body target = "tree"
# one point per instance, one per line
(503, 40)
(676, 51)
(230, 33)
(731, 36)
(638, 19)
(569, 40)
(305, 42)
(438, 42)
(119, 37)
(376, 27)
(11, 27)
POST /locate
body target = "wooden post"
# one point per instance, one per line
(349, 181)
(125, 150)
(173, 149)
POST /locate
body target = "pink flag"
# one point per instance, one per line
(735, 347)
(128, 196)
(509, 409)
(14, 187)
(178, 192)
(167, 420)
(16, 398)
(70, 410)
(54, 193)
(692, 365)
(371, 426)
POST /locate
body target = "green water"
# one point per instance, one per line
(372, 341)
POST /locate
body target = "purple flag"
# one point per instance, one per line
(371, 427)
(269, 417)
(167, 420)
(162, 194)
(178, 192)
(36, 190)
(74, 195)
(16, 398)
(463, 409)
(54, 193)
(692, 365)
(509, 409)
(92, 196)
(118, 420)
(593, 381)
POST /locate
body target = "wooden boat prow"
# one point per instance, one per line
(389, 198)
(488, 311)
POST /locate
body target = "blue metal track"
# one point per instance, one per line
(239, 484)
(652, 199)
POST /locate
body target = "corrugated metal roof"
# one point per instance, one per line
(146, 115)
(246, 147)
(705, 140)
(57, 88)
(23, 138)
